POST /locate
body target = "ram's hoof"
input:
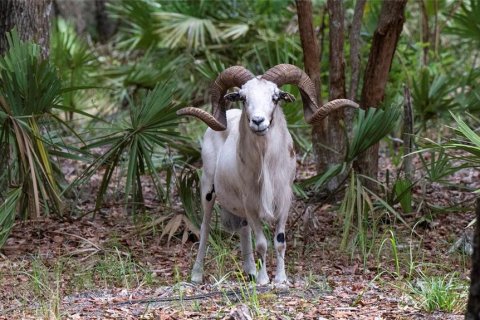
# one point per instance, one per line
(197, 278)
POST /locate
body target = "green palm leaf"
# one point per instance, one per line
(8, 210)
(369, 128)
(151, 125)
(181, 30)
(466, 24)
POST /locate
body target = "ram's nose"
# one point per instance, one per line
(258, 120)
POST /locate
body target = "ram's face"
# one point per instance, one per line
(260, 98)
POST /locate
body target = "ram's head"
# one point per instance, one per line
(261, 96)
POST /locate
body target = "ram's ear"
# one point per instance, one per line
(287, 97)
(233, 96)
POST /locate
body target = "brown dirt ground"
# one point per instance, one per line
(325, 282)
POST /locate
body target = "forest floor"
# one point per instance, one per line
(109, 266)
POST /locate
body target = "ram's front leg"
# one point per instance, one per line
(208, 199)
(247, 251)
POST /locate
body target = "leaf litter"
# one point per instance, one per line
(73, 261)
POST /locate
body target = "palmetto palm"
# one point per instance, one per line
(151, 124)
(75, 61)
(466, 23)
(369, 128)
(432, 95)
(202, 34)
(29, 92)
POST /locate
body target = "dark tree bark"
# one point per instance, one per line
(407, 134)
(105, 26)
(30, 17)
(425, 31)
(355, 48)
(321, 34)
(336, 57)
(311, 56)
(473, 305)
(311, 60)
(384, 43)
(330, 132)
(80, 13)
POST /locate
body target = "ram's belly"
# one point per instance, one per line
(230, 197)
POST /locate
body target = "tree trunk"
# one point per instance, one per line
(384, 43)
(425, 31)
(311, 60)
(105, 26)
(79, 13)
(407, 135)
(473, 305)
(355, 48)
(30, 17)
(311, 56)
(329, 139)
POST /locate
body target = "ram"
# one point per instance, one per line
(249, 159)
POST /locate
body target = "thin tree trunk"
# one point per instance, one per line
(105, 26)
(321, 34)
(333, 133)
(30, 17)
(407, 134)
(384, 43)
(355, 48)
(311, 60)
(425, 32)
(473, 305)
(308, 38)
(355, 63)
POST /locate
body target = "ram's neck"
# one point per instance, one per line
(263, 160)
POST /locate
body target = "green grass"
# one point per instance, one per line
(45, 283)
(446, 293)
(118, 268)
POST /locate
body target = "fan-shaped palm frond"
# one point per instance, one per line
(76, 63)
(432, 94)
(466, 23)
(136, 28)
(153, 123)
(181, 30)
(29, 89)
(369, 128)
(8, 209)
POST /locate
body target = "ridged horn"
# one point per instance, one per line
(204, 116)
(234, 76)
(289, 74)
(330, 106)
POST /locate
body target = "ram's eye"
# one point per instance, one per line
(275, 99)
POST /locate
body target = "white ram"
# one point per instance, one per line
(249, 159)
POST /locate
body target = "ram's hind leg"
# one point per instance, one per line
(238, 224)
(208, 199)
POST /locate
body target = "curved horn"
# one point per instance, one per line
(234, 76)
(330, 106)
(202, 115)
(289, 74)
